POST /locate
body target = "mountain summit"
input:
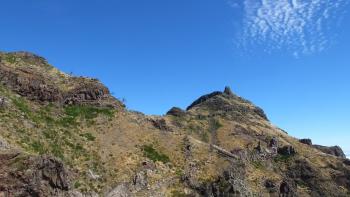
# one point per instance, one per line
(62, 135)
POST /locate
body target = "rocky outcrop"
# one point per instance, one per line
(306, 141)
(227, 103)
(27, 75)
(23, 175)
(177, 112)
(333, 150)
(204, 98)
(121, 190)
(28, 84)
(287, 150)
(287, 189)
(160, 124)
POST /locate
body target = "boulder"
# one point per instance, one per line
(39, 176)
(273, 142)
(270, 185)
(346, 162)
(53, 171)
(306, 141)
(140, 181)
(286, 189)
(332, 150)
(121, 190)
(228, 91)
(160, 124)
(177, 112)
(287, 150)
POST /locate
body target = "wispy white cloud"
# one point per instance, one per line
(300, 26)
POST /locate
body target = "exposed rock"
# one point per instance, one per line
(273, 142)
(29, 79)
(333, 150)
(286, 190)
(306, 141)
(140, 181)
(227, 104)
(228, 91)
(29, 85)
(53, 171)
(270, 186)
(346, 162)
(287, 150)
(2, 102)
(4, 145)
(258, 147)
(86, 92)
(121, 190)
(160, 124)
(38, 176)
(175, 111)
(204, 98)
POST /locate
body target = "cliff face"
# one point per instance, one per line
(62, 135)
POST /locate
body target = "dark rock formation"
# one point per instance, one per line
(333, 150)
(286, 189)
(177, 112)
(32, 176)
(228, 91)
(204, 98)
(86, 93)
(36, 85)
(270, 185)
(226, 103)
(273, 142)
(287, 151)
(29, 85)
(346, 162)
(306, 141)
(160, 124)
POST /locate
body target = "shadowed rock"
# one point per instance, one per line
(175, 111)
(306, 141)
(333, 150)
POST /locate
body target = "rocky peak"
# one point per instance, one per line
(32, 77)
(228, 91)
(226, 103)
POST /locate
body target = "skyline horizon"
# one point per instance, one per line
(289, 58)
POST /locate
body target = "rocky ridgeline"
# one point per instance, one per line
(32, 77)
(227, 103)
(220, 134)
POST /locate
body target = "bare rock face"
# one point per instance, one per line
(333, 150)
(287, 189)
(160, 124)
(121, 190)
(177, 112)
(287, 151)
(31, 76)
(24, 175)
(86, 93)
(29, 85)
(227, 103)
(306, 141)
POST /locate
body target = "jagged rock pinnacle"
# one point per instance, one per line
(228, 91)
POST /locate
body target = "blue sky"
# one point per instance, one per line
(291, 57)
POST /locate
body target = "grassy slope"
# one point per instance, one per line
(112, 144)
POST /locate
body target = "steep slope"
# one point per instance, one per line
(62, 135)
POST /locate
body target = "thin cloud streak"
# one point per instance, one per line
(300, 26)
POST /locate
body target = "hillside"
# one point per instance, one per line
(62, 135)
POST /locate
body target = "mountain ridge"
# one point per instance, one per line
(68, 136)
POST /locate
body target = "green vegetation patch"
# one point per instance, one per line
(282, 158)
(72, 113)
(88, 136)
(154, 155)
